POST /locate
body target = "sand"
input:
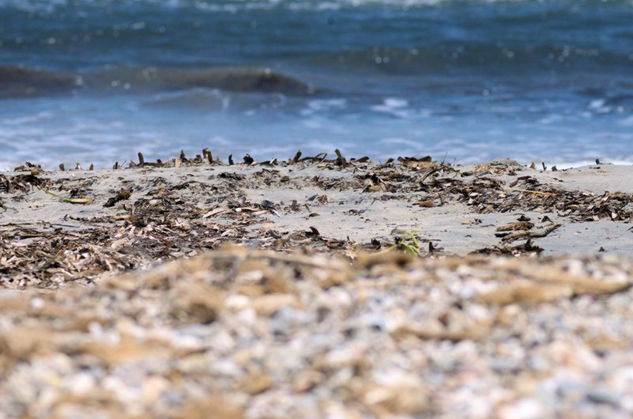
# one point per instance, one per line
(344, 210)
(316, 288)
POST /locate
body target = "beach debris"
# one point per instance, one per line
(22, 182)
(523, 224)
(340, 160)
(526, 233)
(427, 203)
(313, 232)
(498, 167)
(387, 327)
(34, 169)
(375, 184)
(248, 160)
(414, 163)
(525, 249)
(407, 242)
(123, 194)
(319, 199)
(318, 157)
(70, 200)
(207, 155)
(427, 174)
(170, 219)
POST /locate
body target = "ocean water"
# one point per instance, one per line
(96, 81)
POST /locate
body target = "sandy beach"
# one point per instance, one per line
(316, 287)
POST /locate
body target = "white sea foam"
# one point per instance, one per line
(231, 6)
(567, 164)
(596, 104)
(313, 122)
(320, 105)
(394, 106)
(40, 116)
(219, 141)
(626, 122)
(402, 142)
(550, 119)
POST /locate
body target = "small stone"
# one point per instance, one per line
(258, 383)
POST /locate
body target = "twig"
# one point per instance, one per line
(429, 173)
(530, 234)
(534, 192)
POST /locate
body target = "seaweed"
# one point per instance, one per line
(167, 220)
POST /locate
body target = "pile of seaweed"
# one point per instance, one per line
(161, 220)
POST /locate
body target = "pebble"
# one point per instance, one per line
(298, 350)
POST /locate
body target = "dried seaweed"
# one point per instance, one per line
(165, 220)
(344, 328)
(122, 195)
(21, 183)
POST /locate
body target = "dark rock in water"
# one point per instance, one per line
(26, 82)
(229, 79)
(243, 80)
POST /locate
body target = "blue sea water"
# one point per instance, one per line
(463, 81)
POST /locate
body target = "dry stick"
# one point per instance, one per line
(534, 192)
(427, 174)
(339, 158)
(530, 234)
(208, 155)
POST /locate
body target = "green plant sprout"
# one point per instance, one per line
(408, 242)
